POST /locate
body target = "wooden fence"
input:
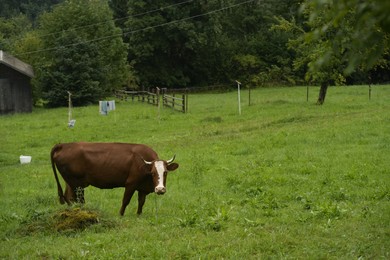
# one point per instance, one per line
(178, 102)
(126, 94)
(149, 97)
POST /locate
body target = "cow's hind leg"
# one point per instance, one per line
(69, 195)
(79, 191)
(129, 191)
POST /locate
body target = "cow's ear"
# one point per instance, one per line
(173, 166)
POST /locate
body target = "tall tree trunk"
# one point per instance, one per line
(322, 95)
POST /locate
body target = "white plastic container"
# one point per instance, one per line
(25, 159)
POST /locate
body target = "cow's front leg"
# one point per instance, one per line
(141, 201)
(129, 191)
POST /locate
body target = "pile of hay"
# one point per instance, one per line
(67, 221)
(74, 219)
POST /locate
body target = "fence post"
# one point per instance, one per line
(183, 102)
(369, 91)
(186, 100)
(158, 103)
(307, 93)
(249, 96)
(69, 107)
(239, 97)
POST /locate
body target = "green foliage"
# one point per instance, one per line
(169, 49)
(76, 71)
(166, 46)
(313, 51)
(333, 39)
(76, 60)
(11, 30)
(194, 44)
(32, 9)
(359, 31)
(286, 179)
(246, 33)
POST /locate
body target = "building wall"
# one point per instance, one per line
(15, 91)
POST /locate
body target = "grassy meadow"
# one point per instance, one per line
(286, 179)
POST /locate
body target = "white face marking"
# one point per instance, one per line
(160, 172)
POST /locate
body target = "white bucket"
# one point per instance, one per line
(25, 159)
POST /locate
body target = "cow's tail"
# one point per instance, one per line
(59, 188)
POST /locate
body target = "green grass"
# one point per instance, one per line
(286, 179)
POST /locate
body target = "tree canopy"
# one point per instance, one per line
(80, 51)
(91, 48)
(358, 31)
(335, 39)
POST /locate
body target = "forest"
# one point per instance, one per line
(92, 48)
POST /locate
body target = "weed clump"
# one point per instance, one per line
(66, 221)
(74, 219)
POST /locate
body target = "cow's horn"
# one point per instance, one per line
(171, 160)
(148, 163)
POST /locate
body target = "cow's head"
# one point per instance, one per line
(159, 171)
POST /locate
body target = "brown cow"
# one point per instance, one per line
(109, 165)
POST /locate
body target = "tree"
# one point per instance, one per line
(120, 10)
(208, 42)
(82, 53)
(343, 36)
(11, 30)
(30, 9)
(259, 54)
(165, 43)
(361, 29)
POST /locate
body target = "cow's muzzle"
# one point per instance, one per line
(160, 190)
